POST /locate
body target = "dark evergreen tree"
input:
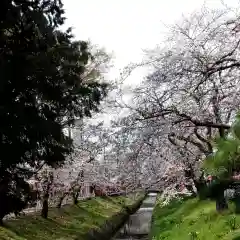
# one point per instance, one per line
(42, 89)
(223, 164)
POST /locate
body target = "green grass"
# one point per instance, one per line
(68, 223)
(193, 219)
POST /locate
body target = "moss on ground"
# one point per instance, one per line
(193, 219)
(69, 222)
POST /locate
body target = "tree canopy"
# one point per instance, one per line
(43, 88)
(224, 162)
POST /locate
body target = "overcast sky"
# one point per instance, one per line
(128, 26)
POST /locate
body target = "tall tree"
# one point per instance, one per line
(192, 92)
(42, 89)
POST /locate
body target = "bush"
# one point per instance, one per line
(14, 196)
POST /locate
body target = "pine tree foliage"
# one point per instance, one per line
(42, 89)
(225, 160)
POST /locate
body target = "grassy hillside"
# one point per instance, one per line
(68, 223)
(193, 219)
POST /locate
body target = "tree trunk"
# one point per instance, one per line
(44, 212)
(191, 177)
(197, 185)
(236, 201)
(75, 197)
(59, 205)
(221, 203)
(189, 187)
(75, 200)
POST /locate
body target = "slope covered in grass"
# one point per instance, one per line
(193, 219)
(70, 222)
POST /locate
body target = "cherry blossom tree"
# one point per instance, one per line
(190, 95)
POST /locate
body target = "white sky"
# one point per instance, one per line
(128, 26)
